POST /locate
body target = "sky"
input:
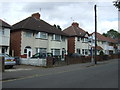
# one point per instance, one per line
(63, 13)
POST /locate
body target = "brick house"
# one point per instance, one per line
(4, 37)
(33, 35)
(78, 39)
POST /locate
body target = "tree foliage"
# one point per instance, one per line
(112, 33)
(117, 4)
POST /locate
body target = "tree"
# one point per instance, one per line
(117, 4)
(112, 33)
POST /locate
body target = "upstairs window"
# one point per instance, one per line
(42, 35)
(84, 39)
(63, 38)
(56, 37)
(28, 34)
(3, 31)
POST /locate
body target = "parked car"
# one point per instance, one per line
(75, 55)
(42, 55)
(9, 61)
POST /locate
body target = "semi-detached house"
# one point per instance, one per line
(78, 40)
(4, 37)
(33, 35)
(106, 44)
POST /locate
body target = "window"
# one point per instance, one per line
(42, 35)
(78, 51)
(3, 31)
(78, 38)
(41, 50)
(84, 51)
(56, 37)
(28, 34)
(63, 38)
(84, 39)
(55, 51)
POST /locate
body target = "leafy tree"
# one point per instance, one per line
(112, 33)
(117, 4)
(105, 34)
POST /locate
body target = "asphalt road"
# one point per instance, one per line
(98, 76)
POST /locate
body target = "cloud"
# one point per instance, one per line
(60, 13)
(107, 25)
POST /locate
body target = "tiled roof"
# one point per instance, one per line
(4, 24)
(74, 30)
(100, 37)
(34, 24)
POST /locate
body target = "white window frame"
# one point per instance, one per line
(78, 50)
(3, 31)
(54, 37)
(38, 50)
(28, 34)
(39, 35)
(53, 51)
(63, 38)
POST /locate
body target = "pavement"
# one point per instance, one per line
(26, 71)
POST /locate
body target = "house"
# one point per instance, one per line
(4, 37)
(78, 39)
(33, 35)
(105, 44)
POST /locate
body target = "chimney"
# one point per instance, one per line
(75, 24)
(36, 15)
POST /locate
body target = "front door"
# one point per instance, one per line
(29, 52)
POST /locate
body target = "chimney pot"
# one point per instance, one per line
(75, 24)
(36, 15)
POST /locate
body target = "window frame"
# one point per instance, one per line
(54, 37)
(39, 35)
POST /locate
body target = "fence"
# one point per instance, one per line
(34, 62)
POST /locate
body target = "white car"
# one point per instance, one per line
(9, 61)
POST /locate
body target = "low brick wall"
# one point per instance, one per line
(75, 60)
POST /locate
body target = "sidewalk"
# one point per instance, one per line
(39, 71)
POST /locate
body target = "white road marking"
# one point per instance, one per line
(20, 69)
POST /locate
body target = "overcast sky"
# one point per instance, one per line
(63, 13)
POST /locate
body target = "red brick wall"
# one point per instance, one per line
(15, 42)
(71, 45)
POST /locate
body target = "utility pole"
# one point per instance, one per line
(95, 34)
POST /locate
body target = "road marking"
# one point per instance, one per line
(20, 69)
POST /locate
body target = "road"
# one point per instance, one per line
(103, 75)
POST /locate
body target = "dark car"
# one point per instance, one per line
(42, 55)
(75, 55)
